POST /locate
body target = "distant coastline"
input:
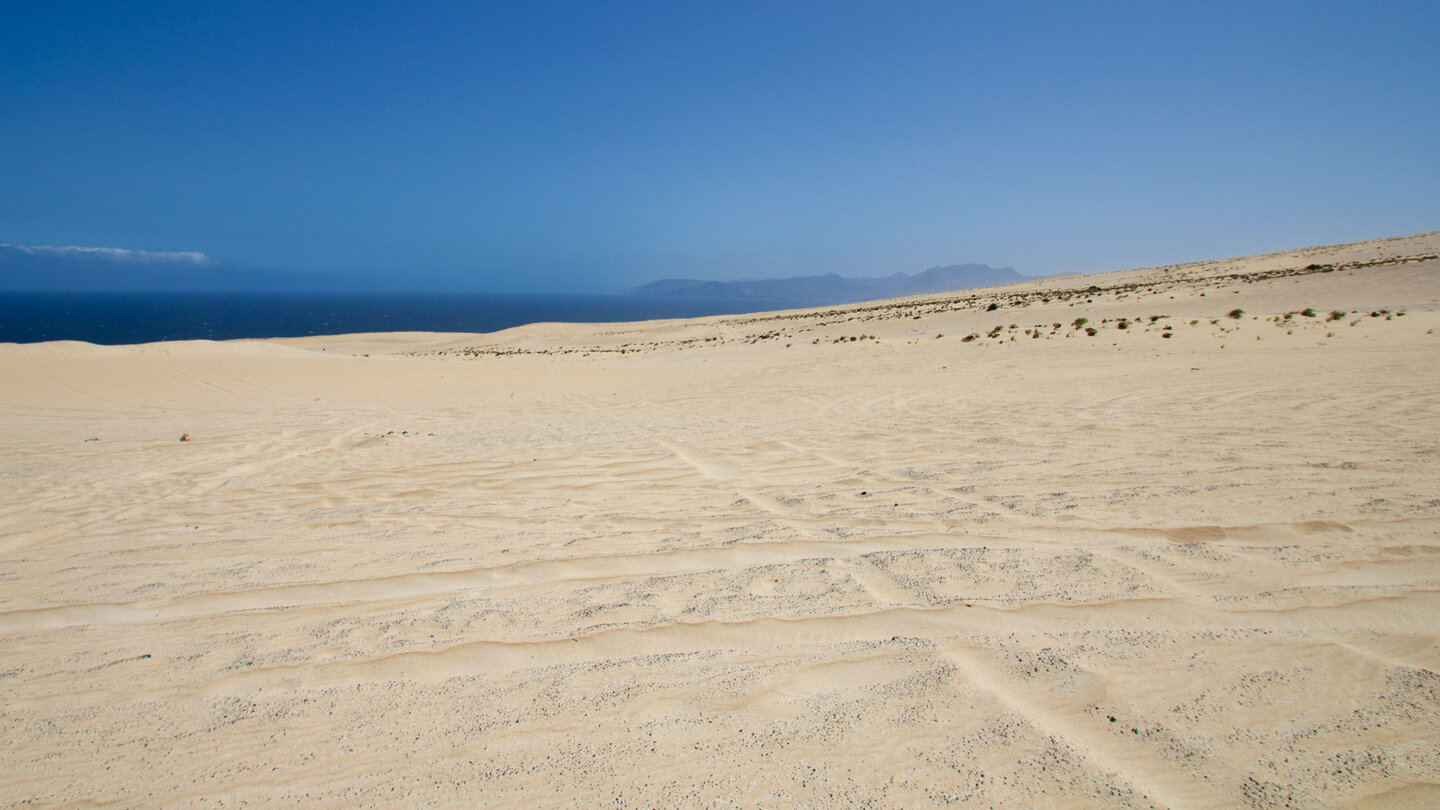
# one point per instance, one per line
(836, 289)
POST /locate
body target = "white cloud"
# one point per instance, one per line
(188, 258)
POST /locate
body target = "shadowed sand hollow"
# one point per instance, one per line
(945, 550)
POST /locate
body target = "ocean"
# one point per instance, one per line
(119, 318)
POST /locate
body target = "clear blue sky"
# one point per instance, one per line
(591, 145)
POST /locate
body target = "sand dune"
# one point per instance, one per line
(945, 550)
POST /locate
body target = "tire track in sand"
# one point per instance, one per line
(707, 465)
(1061, 715)
(586, 568)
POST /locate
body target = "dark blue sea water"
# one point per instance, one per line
(116, 318)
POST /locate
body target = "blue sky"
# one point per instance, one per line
(544, 146)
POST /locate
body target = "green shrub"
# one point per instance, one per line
(1237, 314)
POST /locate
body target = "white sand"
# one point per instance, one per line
(733, 562)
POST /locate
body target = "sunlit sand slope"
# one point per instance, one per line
(953, 549)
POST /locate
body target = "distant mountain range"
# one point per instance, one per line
(106, 269)
(836, 289)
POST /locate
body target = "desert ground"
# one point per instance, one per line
(961, 549)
